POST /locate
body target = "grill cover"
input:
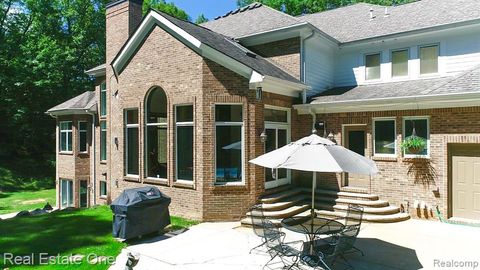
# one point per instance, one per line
(140, 211)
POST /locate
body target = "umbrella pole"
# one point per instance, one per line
(314, 186)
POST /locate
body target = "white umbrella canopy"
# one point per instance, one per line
(316, 154)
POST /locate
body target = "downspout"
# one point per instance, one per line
(303, 73)
(57, 181)
(94, 155)
(314, 119)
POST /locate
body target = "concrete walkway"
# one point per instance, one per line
(412, 244)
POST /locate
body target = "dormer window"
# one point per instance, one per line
(400, 63)
(372, 66)
(428, 59)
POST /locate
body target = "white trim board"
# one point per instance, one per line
(393, 104)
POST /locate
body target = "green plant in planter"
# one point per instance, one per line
(414, 144)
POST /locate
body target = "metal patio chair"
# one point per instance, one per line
(331, 251)
(277, 248)
(257, 217)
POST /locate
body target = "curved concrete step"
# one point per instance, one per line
(288, 202)
(342, 194)
(385, 210)
(331, 201)
(247, 222)
(284, 213)
(368, 217)
(276, 197)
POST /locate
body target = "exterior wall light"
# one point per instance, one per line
(259, 93)
(263, 136)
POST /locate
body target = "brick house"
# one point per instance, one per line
(184, 107)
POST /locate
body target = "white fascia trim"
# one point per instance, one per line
(96, 72)
(151, 19)
(393, 104)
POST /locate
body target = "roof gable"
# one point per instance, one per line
(209, 44)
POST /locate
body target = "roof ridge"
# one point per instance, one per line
(240, 9)
(342, 7)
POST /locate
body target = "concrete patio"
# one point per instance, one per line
(412, 244)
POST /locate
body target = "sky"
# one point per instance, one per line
(209, 8)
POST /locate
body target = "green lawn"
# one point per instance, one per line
(83, 231)
(25, 200)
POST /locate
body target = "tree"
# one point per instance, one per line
(168, 8)
(45, 46)
(299, 7)
(201, 19)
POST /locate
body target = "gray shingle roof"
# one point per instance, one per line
(233, 49)
(353, 22)
(254, 18)
(350, 23)
(465, 83)
(85, 101)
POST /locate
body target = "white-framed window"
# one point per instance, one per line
(82, 136)
(103, 188)
(229, 143)
(131, 142)
(399, 60)
(103, 99)
(372, 66)
(428, 56)
(156, 137)
(418, 126)
(184, 142)
(384, 137)
(66, 136)
(103, 140)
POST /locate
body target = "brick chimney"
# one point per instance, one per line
(122, 19)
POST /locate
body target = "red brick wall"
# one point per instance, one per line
(393, 183)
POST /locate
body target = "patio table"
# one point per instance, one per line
(312, 226)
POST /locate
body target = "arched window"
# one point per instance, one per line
(156, 134)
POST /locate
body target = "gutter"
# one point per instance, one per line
(391, 104)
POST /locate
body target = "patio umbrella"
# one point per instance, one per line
(316, 154)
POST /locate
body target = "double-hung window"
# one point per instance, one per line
(82, 137)
(184, 142)
(103, 99)
(384, 138)
(228, 143)
(428, 59)
(400, 63)
(131, 142)
(372, 66)
(417, 126)
(66, 136)
(103, 140)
